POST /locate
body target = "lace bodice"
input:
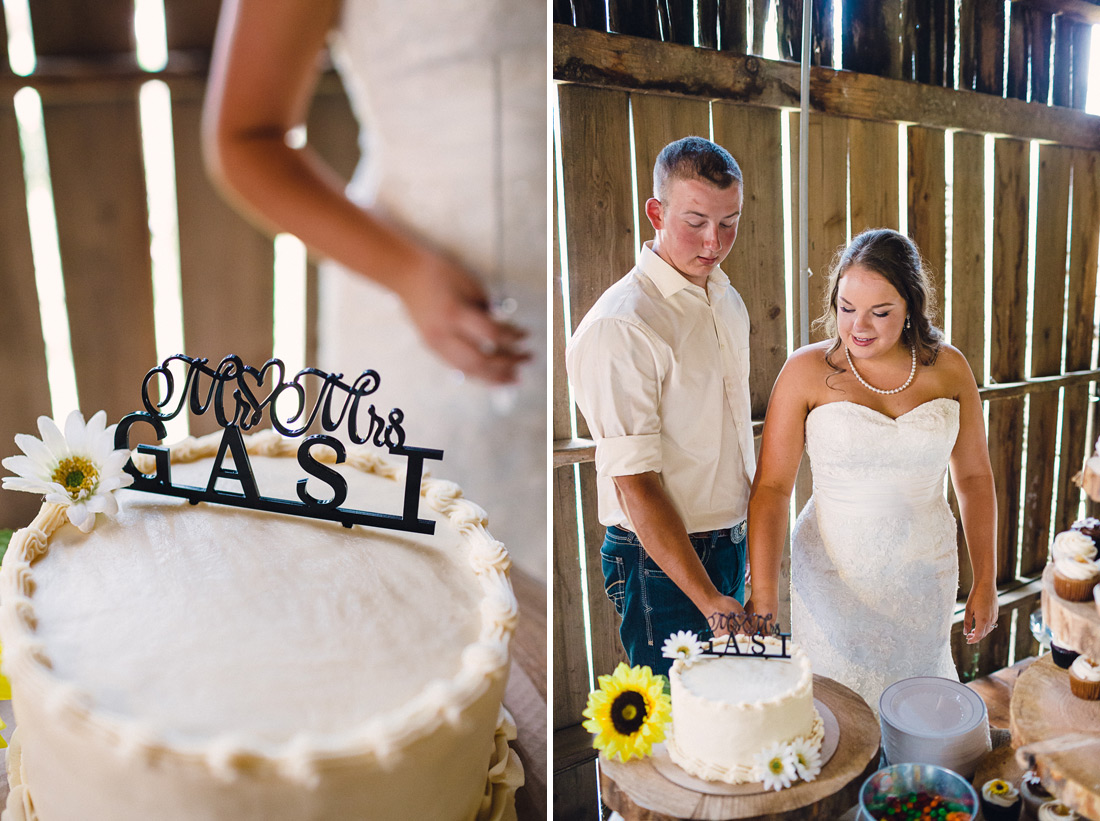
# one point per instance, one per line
(874, 565)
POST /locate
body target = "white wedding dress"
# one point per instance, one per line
(450, 96)
(874, 563)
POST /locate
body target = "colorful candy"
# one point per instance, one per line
(919, 806)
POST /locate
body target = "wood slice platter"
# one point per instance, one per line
(1058, 735)
(1075, 622)
(640, 793)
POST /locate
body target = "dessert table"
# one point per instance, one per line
(639, 792)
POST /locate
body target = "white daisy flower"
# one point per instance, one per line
(774, 766)
(807, 759)
(682, 645)
(79, 470)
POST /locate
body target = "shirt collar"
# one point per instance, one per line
(668, 280)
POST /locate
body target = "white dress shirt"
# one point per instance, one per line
(659, 368)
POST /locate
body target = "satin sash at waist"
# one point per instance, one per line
(877, 498)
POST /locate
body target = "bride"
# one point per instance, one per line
(881, 407)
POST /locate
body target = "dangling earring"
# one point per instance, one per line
(907, 322)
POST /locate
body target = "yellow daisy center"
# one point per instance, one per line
(776, 765)
(77, 475)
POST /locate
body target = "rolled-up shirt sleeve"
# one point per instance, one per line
(617, 368)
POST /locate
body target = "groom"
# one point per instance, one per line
(659, 367)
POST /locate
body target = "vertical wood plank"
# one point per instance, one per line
(1084, 240)
(873, 158)
(823, 34)
(64, 28)
(225, 263)
(1017, 54)
(591, 14)
(635, 17)
(607, 648)
(190, 24)
(1082, 45)
(968, 58)
(570, 671)
(871, 37)
(26, 393)
(99, 196)
(1010, 191)
(927, 203)
(563, 12)
(596, 168)
(1039, 39)
(658, 120)
(733, 26)
(760, 10)
(708, 23)
(681, 23)
(755, 265)
(1046, 351)
(968, 250)
(989, 30)
(1062, 90)
(828, 209)
(575, 792)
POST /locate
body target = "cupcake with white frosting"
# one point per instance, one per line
(1061, 651)
(1056, 811)
(1074, 577)
(1000, 801)
(1084, 678)
(1071, 543)
(1034, 795)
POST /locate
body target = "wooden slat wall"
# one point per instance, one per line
(1052, 214)
(26, 393)
(1009, 304)
(89, 89)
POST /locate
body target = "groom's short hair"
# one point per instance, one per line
(694, 158)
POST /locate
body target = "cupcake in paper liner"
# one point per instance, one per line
(1070, 543)
(1074, 577)
(1090, 527)
(1000, 801)
(1034, 795)
(1061, 653)
(1084, 678)
(1056, 811)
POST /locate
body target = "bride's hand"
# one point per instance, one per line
(981, 613)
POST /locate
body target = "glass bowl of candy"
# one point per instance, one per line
(913, 792)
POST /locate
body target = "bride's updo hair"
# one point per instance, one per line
(895, 257)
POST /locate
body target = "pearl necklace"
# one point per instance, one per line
(863, 382)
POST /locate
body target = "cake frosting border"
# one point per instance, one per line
(382, 738)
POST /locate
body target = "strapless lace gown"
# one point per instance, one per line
(874, 564)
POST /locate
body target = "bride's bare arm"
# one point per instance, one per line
(780, 453)
(265, 66)
(972, 477)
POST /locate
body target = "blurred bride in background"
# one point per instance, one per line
(437, 277)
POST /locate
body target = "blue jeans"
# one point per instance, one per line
(652, 607)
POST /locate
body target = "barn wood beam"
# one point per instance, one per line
(572, 451)
(635, 64)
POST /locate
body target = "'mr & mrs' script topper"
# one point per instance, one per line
(756, 627)
(235, 394)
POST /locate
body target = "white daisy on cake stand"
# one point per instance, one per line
(79, 469)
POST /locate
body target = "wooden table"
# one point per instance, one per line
(640, 793)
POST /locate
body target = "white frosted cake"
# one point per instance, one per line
(206, 662)
(727, 710)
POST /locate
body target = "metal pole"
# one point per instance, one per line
(804, 272)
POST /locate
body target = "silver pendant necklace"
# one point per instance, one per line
(864, 383)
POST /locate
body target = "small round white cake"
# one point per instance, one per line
(727, 709)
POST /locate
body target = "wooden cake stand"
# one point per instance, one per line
(1056, 733)
(640, 793)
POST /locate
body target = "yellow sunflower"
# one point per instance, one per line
(628, 713)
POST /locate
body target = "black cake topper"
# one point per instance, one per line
(756, 626)
(233, 391)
